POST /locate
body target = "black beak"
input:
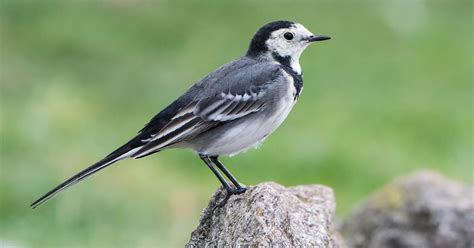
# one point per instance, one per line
(314, 38)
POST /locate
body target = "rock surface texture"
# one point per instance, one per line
(423, 210)
(269, 215)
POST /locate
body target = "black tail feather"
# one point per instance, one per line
(109, 160)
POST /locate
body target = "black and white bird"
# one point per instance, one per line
(230, 110)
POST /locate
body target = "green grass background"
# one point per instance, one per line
(391, 93)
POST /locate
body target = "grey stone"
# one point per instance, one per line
(269, 215)
(422, 210)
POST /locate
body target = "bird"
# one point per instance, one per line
(228, 111)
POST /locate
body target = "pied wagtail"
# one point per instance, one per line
(230, 110)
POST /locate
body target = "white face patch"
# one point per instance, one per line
(293, 48)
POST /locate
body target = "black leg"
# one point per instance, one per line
(208, 162)
(239, 189)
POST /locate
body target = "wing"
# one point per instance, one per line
(230, 106)
(202, 115)
(233, 91)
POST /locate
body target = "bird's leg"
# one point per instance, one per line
(239, 189)
(208, 162)
(229, 190)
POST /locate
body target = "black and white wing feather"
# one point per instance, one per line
(203, 115)
(230, 106)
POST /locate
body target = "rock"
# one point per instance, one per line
(269, 215)
(423, 210)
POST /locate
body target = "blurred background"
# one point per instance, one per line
(391, 93)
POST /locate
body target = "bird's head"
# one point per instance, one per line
(283, 40)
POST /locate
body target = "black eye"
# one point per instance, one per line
(288, 36)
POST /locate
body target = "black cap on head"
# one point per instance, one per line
(257, 44)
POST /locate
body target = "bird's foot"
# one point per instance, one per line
(230, 191)
(237, 191)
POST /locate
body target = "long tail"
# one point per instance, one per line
(109, 160)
